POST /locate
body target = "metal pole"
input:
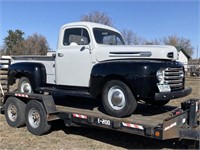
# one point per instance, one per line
(197, 62)
(1, 89)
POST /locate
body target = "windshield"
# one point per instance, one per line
(108, 37)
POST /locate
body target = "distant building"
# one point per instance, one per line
(194, 62)
(183, 57)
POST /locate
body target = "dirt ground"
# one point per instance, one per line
(61, 137)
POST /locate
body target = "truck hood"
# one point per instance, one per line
(109, 52)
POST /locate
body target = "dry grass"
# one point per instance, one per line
(89, 138)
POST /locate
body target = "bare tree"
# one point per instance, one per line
(97, 17)
(153, 42)
(132, 38)
(15, 44)
(179, 42)
(35, 45)
(1, 51)
(128, 36)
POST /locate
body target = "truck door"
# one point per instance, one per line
(73, 59)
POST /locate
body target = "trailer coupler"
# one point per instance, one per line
(192, 129)
(193, 107)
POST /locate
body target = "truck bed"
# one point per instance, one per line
(47, 61)
(33, 58)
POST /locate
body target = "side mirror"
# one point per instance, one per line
(54, 55)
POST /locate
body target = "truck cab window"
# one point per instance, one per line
(107, 37)
(76, 36)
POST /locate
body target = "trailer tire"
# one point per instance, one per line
(24, 85)
(15, 112)
(35, 118)
(118, 100)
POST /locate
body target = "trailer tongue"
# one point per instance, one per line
(41, 109)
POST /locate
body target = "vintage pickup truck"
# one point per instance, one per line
(92, 61)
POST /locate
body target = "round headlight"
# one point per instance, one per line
(160, 75)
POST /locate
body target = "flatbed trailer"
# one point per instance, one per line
(159, 123)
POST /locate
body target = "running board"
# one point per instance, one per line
(66, 92)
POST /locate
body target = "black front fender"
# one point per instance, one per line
(35, 72)
(139, 75)
(131, 73)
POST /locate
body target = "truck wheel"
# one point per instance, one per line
(24, 85)
(118, 99)
(14, 112)
(35, 118)
(158, 103)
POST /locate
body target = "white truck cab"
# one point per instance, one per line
(81, 45)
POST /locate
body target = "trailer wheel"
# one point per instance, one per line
(24, 85)
(14, 112)
(118, 99)
(35, 118)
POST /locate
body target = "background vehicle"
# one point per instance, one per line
(194, 70)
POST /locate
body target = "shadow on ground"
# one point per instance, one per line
(124, 140)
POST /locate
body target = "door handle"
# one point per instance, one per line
(83, 48)
(60, 54)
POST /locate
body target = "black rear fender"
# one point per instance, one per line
(35, 72)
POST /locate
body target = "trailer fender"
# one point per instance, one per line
(49, 105)
(46, 100)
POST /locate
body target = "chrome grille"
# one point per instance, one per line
(174, 78)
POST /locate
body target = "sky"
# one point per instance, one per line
(148, 18)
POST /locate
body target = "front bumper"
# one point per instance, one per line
(172, 95)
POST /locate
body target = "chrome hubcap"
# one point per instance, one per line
(116, 98)
(12, 112)
(34, 118)
(26, 87)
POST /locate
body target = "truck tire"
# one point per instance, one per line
(14, 112)
(118, 100)
(24, 85)
(35, 118)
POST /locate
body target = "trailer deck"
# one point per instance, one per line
(143, 115)
(162, 123)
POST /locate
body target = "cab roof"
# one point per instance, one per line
(90, 25)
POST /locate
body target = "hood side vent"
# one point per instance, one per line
(130, 54)
(170, 55)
